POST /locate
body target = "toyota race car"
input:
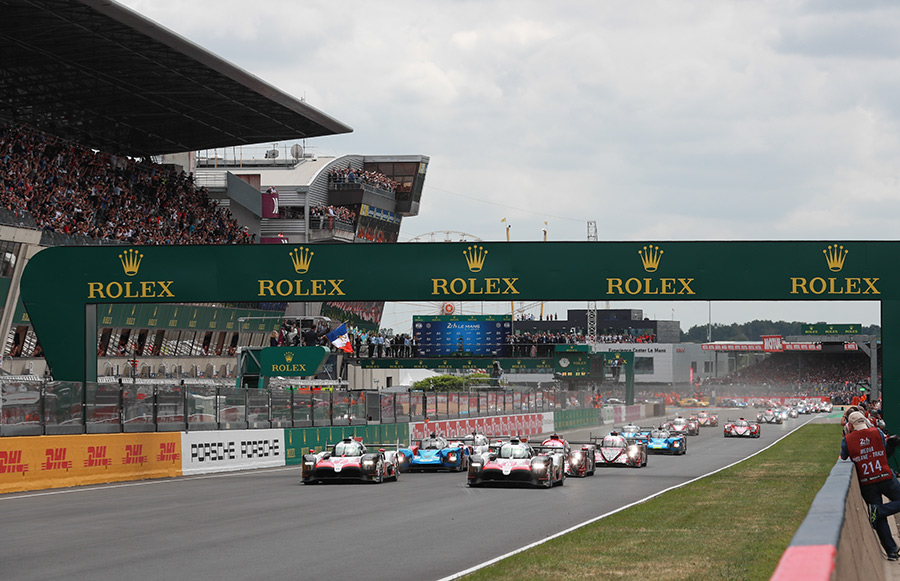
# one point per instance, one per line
(707, 419)
(614, 449)
(661, 440)
(741, 428)
(350, 459)
(517, 462)
(579, 458)
(435, 453)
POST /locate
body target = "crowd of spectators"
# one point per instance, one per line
(538, 344)
(348, 175)
(328, 215)
(292, 334)
(376, 345)
(799, 374)
(620, 338)
(74, 190)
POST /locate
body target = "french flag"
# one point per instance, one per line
(340, 338)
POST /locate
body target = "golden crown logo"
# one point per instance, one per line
(834, 256)
(475, 256)
(650, 257)
(301, 259)
(289, 356)
(131, 261)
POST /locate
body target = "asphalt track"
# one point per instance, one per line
(266, 524)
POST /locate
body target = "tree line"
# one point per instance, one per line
(753, 330)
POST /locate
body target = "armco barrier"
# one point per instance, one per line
(835, 540)
(298, 441)
(39, 462)
(568, 419)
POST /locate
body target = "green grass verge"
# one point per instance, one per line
(732, 525)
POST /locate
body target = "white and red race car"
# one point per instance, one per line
(707, 419)
(350, 459)
(517, 462)
(614, 449)
(579, 455)
(741, 428)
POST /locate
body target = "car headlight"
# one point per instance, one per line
(632, 453)
(368, 463)
(451, 457)
(676, 444)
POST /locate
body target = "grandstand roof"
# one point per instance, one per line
(98, 73)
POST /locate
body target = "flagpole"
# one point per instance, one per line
(545, 239)
(512, 304)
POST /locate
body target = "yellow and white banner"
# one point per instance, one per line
(38, 462)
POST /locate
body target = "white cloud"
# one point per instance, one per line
(659, 120)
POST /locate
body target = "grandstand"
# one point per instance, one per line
(106, 121)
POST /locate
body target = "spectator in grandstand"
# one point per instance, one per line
(76, 191)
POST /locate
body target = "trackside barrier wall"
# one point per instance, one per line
(227, 450)
(567, 419)
(518, 424)
(835, 540)
(39, 462)
(298, 441)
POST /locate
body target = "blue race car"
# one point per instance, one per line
(435, 453)
(662, 441)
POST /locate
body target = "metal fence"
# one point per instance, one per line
(31, 408)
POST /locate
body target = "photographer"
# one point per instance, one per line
(865, 445)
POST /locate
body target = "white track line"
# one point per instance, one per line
(602, 516)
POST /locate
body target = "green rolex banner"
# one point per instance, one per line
(292, 361)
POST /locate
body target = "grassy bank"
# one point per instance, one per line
(732, 525)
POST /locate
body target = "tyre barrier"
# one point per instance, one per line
(835, 540)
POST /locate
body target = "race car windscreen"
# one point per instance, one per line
(433, 444)
(613, 442)
(659, 434)
(348, 449)
(514, 451)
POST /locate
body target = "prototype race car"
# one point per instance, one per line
(707, 419)
(741, 428)
(517, 462)
(680, 426)
(662, 441)
(435, 453)
(614, 449)
(769, 416)
(350, 459)
(579, 457)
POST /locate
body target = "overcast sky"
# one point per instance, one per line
(689, 120)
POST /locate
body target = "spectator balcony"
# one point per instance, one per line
(330, 229)
(352, 193)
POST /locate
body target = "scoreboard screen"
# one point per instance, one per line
(461, 336)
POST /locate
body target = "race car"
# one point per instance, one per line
(680, 426)
(350, 459)
(435, 453)
(769, 416)
(707, 419)
(518, 462)
(663, 441)
(614, 449)
(741, 428)
(579, 457)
